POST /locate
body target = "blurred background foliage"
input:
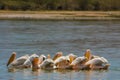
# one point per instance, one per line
(94, 5)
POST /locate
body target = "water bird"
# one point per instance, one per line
(95, 62)
(87, 61)
(46, 64)
(23, 61)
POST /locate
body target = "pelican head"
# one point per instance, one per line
(57, 55)
(47, 64)
(72, 57)
(42, 58)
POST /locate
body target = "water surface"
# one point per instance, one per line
(49, 37)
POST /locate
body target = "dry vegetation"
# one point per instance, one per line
(63, 15)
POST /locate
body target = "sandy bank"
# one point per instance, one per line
(61, 15)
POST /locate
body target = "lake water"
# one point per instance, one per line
(49, 37)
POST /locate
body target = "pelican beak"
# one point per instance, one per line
(88, 54)
(58, 54)
(71, 58)
(12, 58)
(35, 64)
(48, 56)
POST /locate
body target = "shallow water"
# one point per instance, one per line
(49, 37)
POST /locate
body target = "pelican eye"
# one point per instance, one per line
(44, 58)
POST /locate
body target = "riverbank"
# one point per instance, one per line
(61, 15)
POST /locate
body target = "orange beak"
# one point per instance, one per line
(35, 64)
(48, 56)
(71, 58)
(12, 58)
(88, 54)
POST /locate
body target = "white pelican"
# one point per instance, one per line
(97, 63)
(78, 63)
(28, 62)
(16, 63)
(62, 62)
(23, 61)
(46, 64)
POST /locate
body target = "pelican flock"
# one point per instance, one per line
(71, 61)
